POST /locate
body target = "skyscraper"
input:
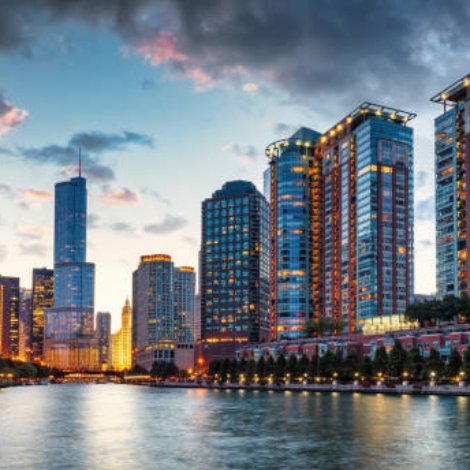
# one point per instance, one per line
(184, 287)
(121, 342)
(153, 311)
(234, 268)
(103, 336)
(69, 323)
(26, 313)
(9, 316)
(452, 161)
(342, 222)
(43, 298)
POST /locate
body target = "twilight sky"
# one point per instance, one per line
(171, 98)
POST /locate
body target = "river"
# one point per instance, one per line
(132, 427)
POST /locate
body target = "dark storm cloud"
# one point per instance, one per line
(348, 50)
(93, 144)
(169, 224)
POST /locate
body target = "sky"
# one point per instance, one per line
(169, 99)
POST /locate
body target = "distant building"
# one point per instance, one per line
(452, 157)
(43, 298)
(342, 222)
(69, 337)
(234, 268)
(26, 301)
(103, 335)
(184, 287)
(121, 342)
(197, 317)
(424, 297)
(9, 316)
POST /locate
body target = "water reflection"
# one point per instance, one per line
(123, 427)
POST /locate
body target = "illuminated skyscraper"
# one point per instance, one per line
(452, 162)
(103, 336)
(69, 323)
(26, 310)
(234, 268)
(43, 298)
(121, 342)
(184, 287)
(9, 316)
(342, 222)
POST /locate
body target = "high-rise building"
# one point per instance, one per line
(69, 338)
(9, 316)
(452, 162)
(121, 342)
(234, 268)
(342, 222)
(184, 287)
(26, 310)
(103, 336)
(43, 298)
(153, 311)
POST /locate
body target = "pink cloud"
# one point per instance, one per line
(10, 116)
(250, 87)
(36, 195)
(121, 196)
(161, 49)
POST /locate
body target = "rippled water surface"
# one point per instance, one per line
(130, 427)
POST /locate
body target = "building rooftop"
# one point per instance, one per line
(453, 93)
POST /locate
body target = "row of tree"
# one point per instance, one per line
(24, 370)
(434, 312)
(396, 365)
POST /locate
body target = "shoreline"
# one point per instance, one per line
(424, 390)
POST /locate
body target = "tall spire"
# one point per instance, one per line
(79, 162)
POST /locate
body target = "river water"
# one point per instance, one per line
(131, 427)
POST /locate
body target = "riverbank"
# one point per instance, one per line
(411, 389)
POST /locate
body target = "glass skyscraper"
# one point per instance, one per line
(452, 160)
(342, 222)
(69, 323)
(103, 336)
(234, 268)
(184, 291)
(9, 316)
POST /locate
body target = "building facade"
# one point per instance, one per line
(26, 313)
(121, 342)
(69, 337)
(342, 222)
(234, 268)
(9, 316)
(103, 336)
(43, 298)
(452, 175)
(184, 292)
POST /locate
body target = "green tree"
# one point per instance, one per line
(327, 364)
(291, 366)
(314, 367)
(414, 364)
(280, 368)
(454, 364)
(434, 365)
(396, 360)
(303, 366)
(466, 363)
(380, 361)
(261, 367)
(366, 368)
(270, 365)
(350, 366)
(250, 370)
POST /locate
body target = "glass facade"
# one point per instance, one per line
(452, 160)
(9, 316)
(184, 290)
(103, 336)
(235, 265)
(342, 222)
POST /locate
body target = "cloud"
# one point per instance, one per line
(3, 252)
(36, 195)
(193, 241)
(170, 223)
(35, 232)
(250, 87)
(426, 243)
(245, 153)
(123, 227)
(29, 206)
(148, 84)
(120, 196)
(421, 179)
(10, 116)
(7, 190)
(93, 221)
(33, 249)
(156, 195)
(93, 145)
(283, 129)
(424, 210)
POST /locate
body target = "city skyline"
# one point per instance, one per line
(144, 107)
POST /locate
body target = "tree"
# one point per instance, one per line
(313, 366)
(269, 368)
(454, 364)
(366, 368)
(291, 366)
(434, 365)
(396, 360)
(350, 366)
(327, 364)
(466, 363)
(261, 367)
(250, 370)
(279, 368)
(303, 365)
(380, 361)
(138, 370)
(414, 364)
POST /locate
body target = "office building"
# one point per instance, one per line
(9, 316)
(43, 298)
(342, 222)
(121, 342)
(452, 159)
(26, 310)
(184, 287)
(234, 268)
(103, 336)
(69, 336)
